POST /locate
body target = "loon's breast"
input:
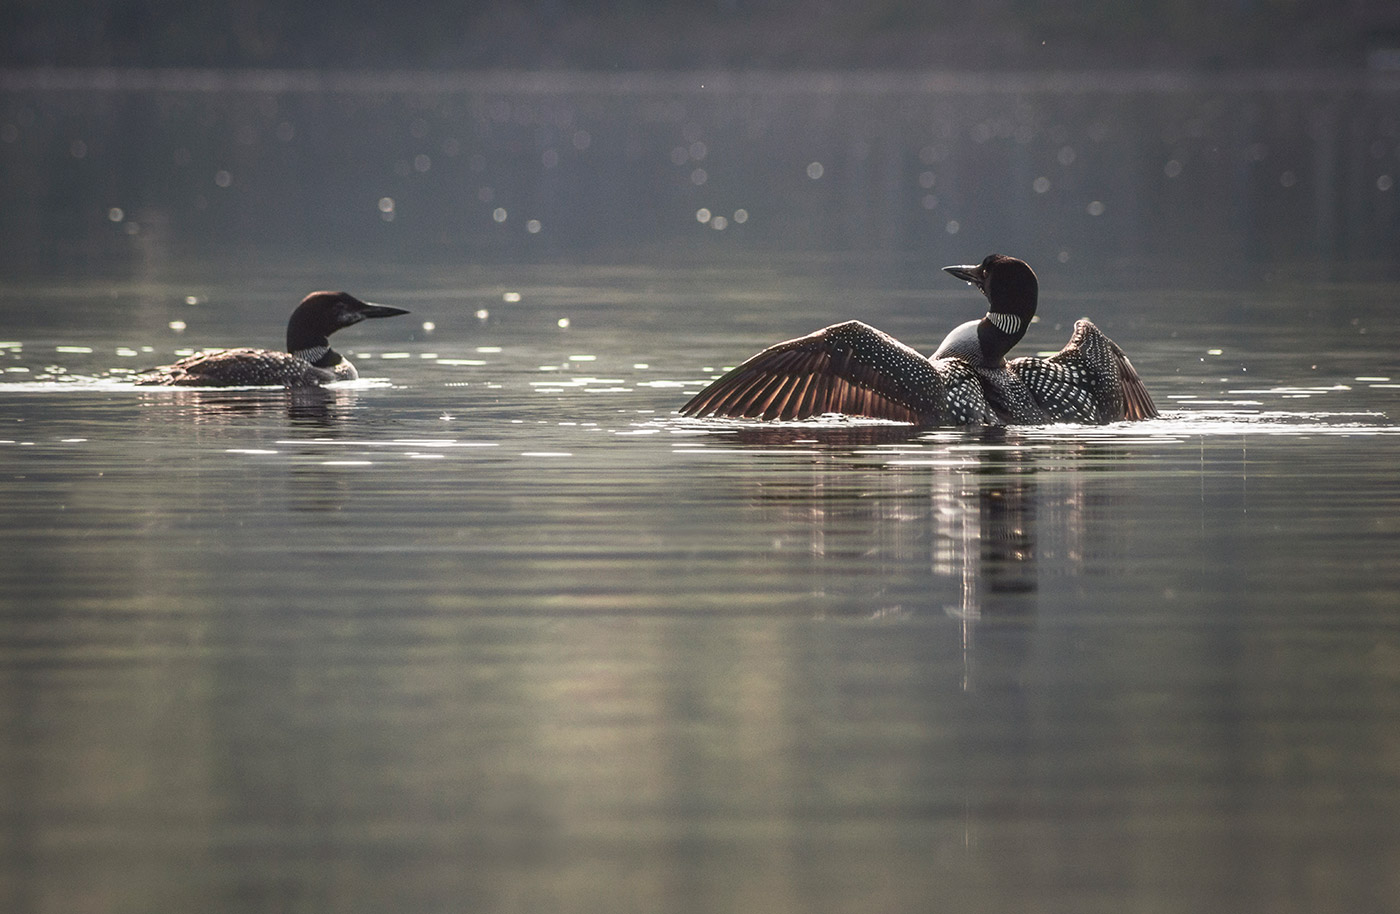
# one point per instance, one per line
(246, 368)
(344, 370)
(961, 343)
(1006, 393)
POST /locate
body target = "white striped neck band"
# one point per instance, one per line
(1009, 324)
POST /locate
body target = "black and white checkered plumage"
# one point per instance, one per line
(1089, 381)
(308, 362)
(854, 369)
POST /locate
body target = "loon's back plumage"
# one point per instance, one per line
(245, 368)
(308, 362)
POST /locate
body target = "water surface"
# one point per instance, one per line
(493, 629)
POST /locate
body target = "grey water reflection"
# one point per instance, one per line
(325, 408)
(709, 668)
(969, 508)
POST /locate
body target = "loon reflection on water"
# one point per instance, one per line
(308, 362)
(854, 369)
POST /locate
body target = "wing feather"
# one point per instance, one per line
(725, 399)
(1137, 401)
(849, 368)
(759, 408)
(799, 399)
(1089, 380)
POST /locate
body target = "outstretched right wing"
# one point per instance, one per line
(848, 368)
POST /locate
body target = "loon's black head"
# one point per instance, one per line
(322, 313)
(1012, 293)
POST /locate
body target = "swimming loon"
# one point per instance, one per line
(1012, 293)
(854, 369)
(1089, 381)
(308, 362)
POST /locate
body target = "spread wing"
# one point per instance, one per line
(1091, 380)
(848, 368)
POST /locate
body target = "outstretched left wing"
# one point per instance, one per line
(848, 368)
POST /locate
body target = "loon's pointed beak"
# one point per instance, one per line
(373, 310)
(969, 274)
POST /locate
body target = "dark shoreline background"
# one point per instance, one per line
(1198, 172)
(607, 35)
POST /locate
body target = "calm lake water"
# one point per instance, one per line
(493, 629)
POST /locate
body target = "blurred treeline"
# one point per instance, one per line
(729, 34)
